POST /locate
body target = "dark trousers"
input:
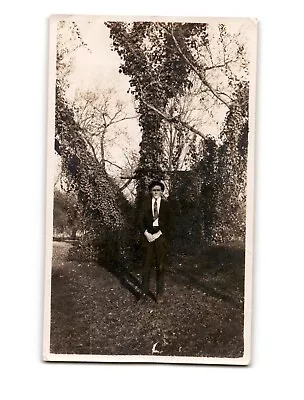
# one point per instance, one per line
(155, 255)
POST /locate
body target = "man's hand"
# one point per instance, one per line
(157, 235)
(149, 236)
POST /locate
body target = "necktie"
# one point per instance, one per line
(155, 212)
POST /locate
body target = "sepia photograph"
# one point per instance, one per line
(150, 189)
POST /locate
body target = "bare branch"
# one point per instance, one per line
(91, 147)
(123, 187)
(115, 165)
(112, 119)
(104, 121)
(224, 64)
(83, 110)
(123, 119)
(225, 94)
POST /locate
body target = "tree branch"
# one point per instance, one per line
(224, 64)
(113, 118)
(126, 184)
(110, 162)
(91, 147)
(174, 120)
(123, 119)
(193, 67)
(225, 94)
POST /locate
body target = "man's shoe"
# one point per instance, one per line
(159, 298)
(143, 299)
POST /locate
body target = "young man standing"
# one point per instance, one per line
(154, 222)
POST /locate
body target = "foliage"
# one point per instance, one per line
(186, 208)
(210, 189)
(224, 170)
(65, 215)
(232, 170)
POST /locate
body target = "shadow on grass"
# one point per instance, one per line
(218, 271)
(126, 271)
(94, 313)
(127, 279)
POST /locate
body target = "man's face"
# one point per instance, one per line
(156, 192)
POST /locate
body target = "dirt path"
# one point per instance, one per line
(93, 313)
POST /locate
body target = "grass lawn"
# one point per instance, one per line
(93, 312)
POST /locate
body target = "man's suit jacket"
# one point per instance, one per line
(146, 217)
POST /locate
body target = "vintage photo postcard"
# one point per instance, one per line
(149, 217)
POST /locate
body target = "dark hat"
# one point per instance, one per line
(156, 183)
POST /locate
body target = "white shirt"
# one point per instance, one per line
(155, 223)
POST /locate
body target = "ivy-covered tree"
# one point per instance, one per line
(232, 170)
(101, 204)
(224, 175)
(157, 74)
(209, 189)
